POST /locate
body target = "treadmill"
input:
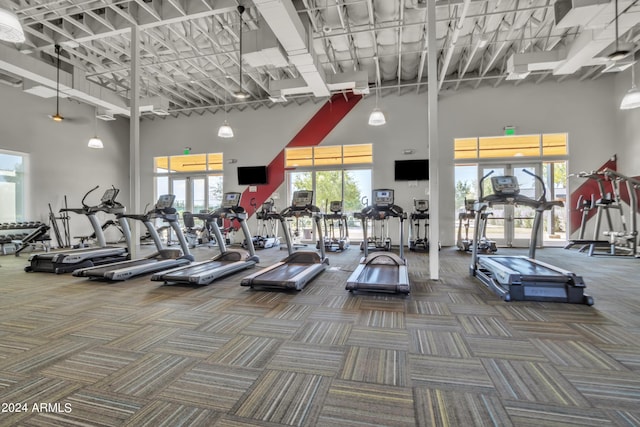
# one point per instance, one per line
(299, 268)
(381, 271)
(163, 259)
(69, 260)
(523, 278)
(223, 264)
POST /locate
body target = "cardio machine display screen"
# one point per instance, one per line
(336, 206)
(421, 205)
(382, 197)
(231, 200)
(505, 185)
(302, 198)
(109, 195)
(165, 201)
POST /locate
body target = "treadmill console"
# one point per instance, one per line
(109, 196)
(336, 206)
(505, 185)
(382, 198)
(302, 199)
(421, 205)
(231, 200)
(165, 201)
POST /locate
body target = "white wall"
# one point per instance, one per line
(583, 109)
(60, 161)
(62, 164)
(628, 125)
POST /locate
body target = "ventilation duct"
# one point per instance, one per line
(575, 13)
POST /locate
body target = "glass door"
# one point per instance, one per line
(510, 225)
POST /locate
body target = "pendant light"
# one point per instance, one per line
(376, 118)
(631, 99)
(618, 53)
(225, 131)
(57, 117)
(10, 28)
(95, 142)
(240, 94)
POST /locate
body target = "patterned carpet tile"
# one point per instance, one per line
(308, 358)
(182, 319)
(144, 338)
(450, 374)
(533, 382)
(325, 314)
(104, 331)
(273, 327)
(426, 307)
(32, 361)
(545, 330)
(246, 351)
(34, 391)
(383, 302)
(625, 418)
(145, 315)
(227, 324)
(12, 344)
(504, 348)
(146, 376)
(448, 408)
(213, 305)
(214, 387)
(485, 325)
(163, 414)
(29, 321)
(438, 343)
(91, 365)
(529, 414)
(194, 344)
(525, 313)
(606, 389)
(377, 366)
(328, 333)
(382, 319)
(578, 354)
(367, 405)
(433, 322)
(344, 302)
(90, 408)
(395, 339)
(289, 398)
(628, 355)
(605, 334)
(289, 311)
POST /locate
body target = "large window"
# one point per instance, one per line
(545, 154)
(336, 172)
(12, 186)
(195, 180)
(500, 147)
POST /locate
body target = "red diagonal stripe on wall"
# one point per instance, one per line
(316, 129)
(586, 189)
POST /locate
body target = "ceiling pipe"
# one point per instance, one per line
(454, 40)
(283, 19)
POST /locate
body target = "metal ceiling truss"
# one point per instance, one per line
(189, 49)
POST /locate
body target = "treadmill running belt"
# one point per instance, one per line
(524, 266)
(282, 274)
(196, 270)
(380, 275)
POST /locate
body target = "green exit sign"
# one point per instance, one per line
(509, 130)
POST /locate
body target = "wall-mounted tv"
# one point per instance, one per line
(412, 170)
(252, 175)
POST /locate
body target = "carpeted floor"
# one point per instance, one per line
(75, 352)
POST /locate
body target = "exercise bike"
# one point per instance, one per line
(336, 232)
(464, 220)
(266, 235)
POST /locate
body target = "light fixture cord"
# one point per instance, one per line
(633, 76)
(616, 24)
(57, 47)
(240, 11)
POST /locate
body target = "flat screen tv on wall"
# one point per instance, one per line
(252, 175)
(412, 170)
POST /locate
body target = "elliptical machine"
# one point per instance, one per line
(419, 218)
(266, 235)
(336, 232)
(464, 220)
